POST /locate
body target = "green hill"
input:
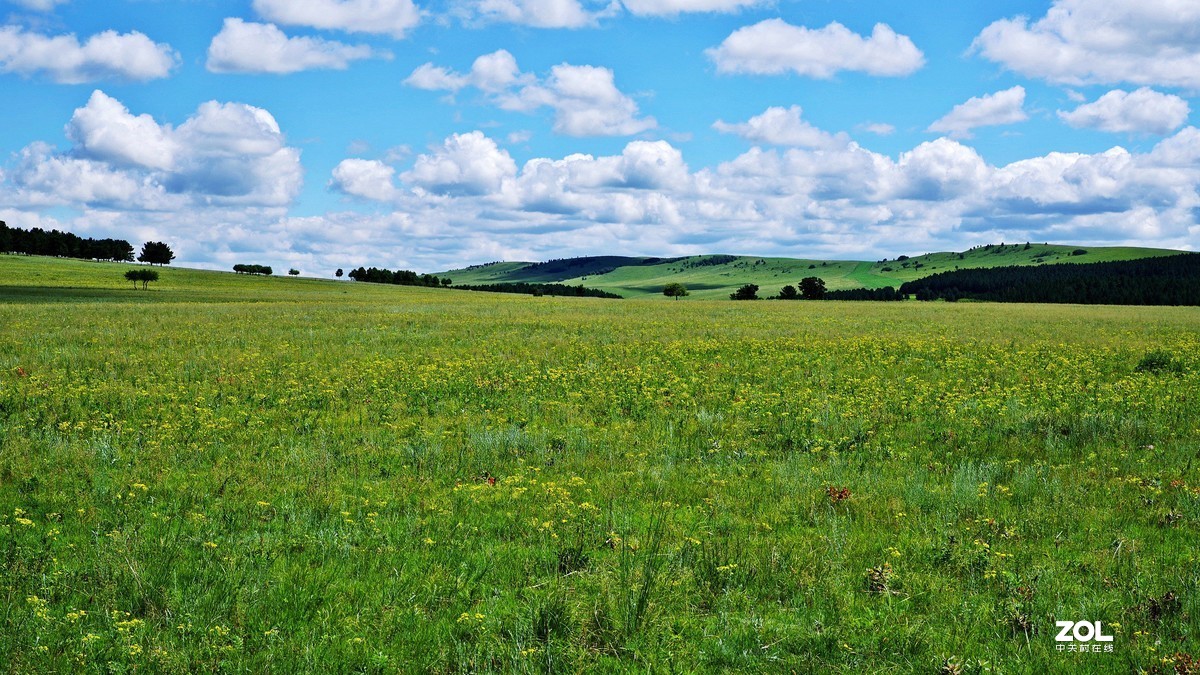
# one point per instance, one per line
(715, 276)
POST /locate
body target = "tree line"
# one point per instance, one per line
(37, 241)
(1169, 280)
(375, 275)
(541, 289)
(253, 269)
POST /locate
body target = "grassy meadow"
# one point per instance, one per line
(236, 474)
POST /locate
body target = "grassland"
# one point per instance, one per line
(715, 277)
(242, 474)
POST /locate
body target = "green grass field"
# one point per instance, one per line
(236, 474)
(716, 281)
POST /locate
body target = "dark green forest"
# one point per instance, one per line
(1171, 280)
(37, 241)
(542, 289)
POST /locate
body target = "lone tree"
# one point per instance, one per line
(812, 288)
(675, 290)
(156, 253)
(144, 276)
(338, 273)
(788, 293)
(294, 272)
(747, 292)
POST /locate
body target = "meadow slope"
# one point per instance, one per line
(227, 473)
(716, 276)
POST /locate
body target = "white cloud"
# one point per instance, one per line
(465, 164)
(366, 178)
(492, 73)
(1142, 111)
(585, 99)
(938, 171)
(44, 178)
(436, 78)
(780, 126)
(226, 154)
(105, 130)
(105, 56)
(387, 17)
(1145, 42)
(676, 7)
(236, 154)
(773, 47)
(243, 47)
(497, 71)
(1002, 107)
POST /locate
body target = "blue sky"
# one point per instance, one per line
(400, 133)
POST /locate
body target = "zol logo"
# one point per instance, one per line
(1081, 631)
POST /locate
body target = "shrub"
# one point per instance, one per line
(747, 292)
(1158, 361)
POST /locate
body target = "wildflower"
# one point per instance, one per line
(210, 545)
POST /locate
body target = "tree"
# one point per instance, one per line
(747, 292)
(812, 288)
(338, 273)
(156, 253)
(294, 272)
(788, 293)
(675, 290)
(446, 282)
(144, 276)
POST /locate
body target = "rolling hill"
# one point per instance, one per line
(715, 276)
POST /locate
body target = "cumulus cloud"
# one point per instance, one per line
(676, 7)
(465, 164)
(585, 99)
(780, 126)
(1142, 111)
(243, 47)
(226, 154)
(774, 47)
(1002, 107)
(366, 178)
(1145, 42)
(385, 17)
(436, 78)
(105, 56)
(105, 130)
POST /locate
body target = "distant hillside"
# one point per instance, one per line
(715, 276)
(1173, 280)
